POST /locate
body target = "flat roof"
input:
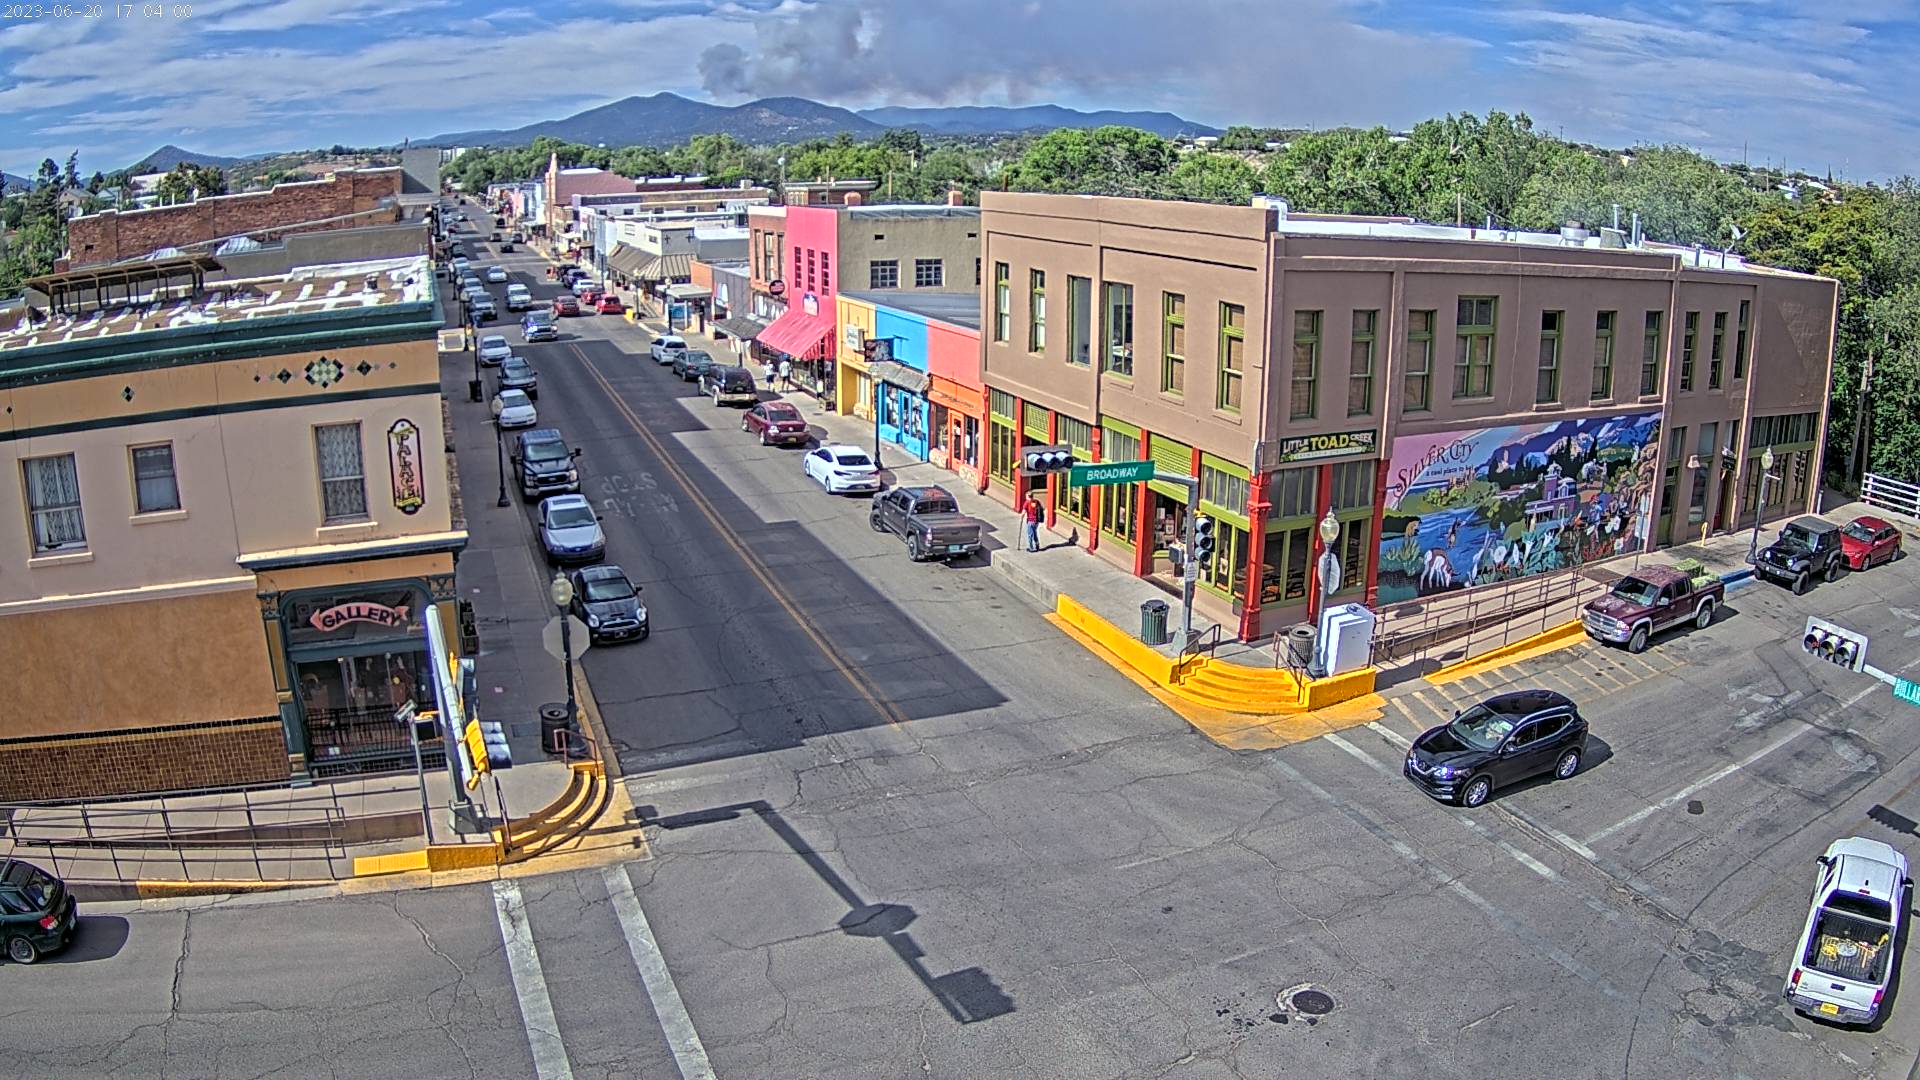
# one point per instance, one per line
(911, 210)
(958, 308)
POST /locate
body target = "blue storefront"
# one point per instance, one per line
(903, 415)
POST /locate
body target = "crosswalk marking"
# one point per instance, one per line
(530, 984)
(688, 1052)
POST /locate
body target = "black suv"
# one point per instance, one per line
(1806, 547)
(1502, 740)
(544, 464)
(692, 364)
(36, 911)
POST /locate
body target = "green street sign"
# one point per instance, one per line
(1110, 472)
(1907, 691)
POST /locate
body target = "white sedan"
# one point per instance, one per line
(497, 274)
(840, 468)
(514, 409)
(1847, 957)
(666, 349)
(494, 348)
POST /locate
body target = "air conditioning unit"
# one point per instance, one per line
(855, 338)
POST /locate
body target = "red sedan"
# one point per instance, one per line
(608, 304)
(565, 305)
(589, 295)
(776, 422)
(1865, 541)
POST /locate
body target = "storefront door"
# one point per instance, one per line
(357, 655)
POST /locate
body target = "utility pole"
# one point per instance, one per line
(1856, 454)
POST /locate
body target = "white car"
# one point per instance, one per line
(497, 274)
(494, 348)
(514, 409)
(667, 349)
(839, 468)
(1846, 956)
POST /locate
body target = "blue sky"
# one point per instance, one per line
(1819, 84)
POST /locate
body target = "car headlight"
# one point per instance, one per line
(593, 622)
(1444, 772)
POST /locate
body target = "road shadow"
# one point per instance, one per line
(95, 937)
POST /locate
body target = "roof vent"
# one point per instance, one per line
(1613, 238)
(1574, 233)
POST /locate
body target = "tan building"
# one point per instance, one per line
(1469, 407)
(231, 500)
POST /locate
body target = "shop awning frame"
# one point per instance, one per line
(894, 373)
(668, 268)
(800, 335)
(627, 259)
(742, 327)
(689, 292)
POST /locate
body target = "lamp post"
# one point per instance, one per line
(561, 592)
(500, 450)
(1766, 474)
(1329, 564)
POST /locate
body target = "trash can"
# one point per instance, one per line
(553, 727)
(473, 389)
(1300, 642)
(1153, 622)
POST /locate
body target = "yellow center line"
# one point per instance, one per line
(894, 718)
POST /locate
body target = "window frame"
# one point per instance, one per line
(875, 269)
(319, 469)
(1002, 302)
(1229, 391)
(1689, 339)
(1305, 405)
(1036, 311)
(1173, 364)
(929, 273)
(1359, 375)
(1742, 340)
(1546, 387)
(1112, 348)
(1419, 344)
(35, 512)
(172, 474)
(1605, 325)
(1717, 353)
(1079, 321)
(1652, 344)
(1471, 338)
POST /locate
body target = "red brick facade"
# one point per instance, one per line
(232, 754)
(348, 199)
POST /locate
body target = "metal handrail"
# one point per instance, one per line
(1193, 645)
(570, 753)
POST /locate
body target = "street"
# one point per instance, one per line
(902, 826)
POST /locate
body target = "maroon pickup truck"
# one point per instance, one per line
(1650, 600)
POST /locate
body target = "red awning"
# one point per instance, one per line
(799, 335)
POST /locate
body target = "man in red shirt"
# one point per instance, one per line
(1030, 515)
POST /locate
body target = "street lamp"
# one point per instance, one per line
(561, 592)
(1766, 474)
(1329, 566)
(500, 449)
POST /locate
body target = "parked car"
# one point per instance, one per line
(517, 374)
(1807, 547)
(484, 310)
(839, 468)
(544, 464)
(1865, 541)
(1500, 741)
(929, 520)
(494, 236)
(519, 298)
(691, 364)
(514, 409)
(497, 274)
(608, 304)
(470, 283)
(37, 913)
(1652, 600)
(729, 385)
(506, 247)
(585, 290)
(565, 305)
(666, 349)
(1847, 952)
(776, 422)
(538, 326)
(459, 264)
(494, 348)
(609, 604)
(570, 530)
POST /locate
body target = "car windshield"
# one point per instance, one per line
(548, 450)
(512, 399)
(695, 356)
(1635, 591)
(516, 368)
(1481, 727)
(569, 517)
(1858, 532)
(1849, 946)
(493, 341)
(33, 883)
(617, 588)
(1794, 536)
(852, 459)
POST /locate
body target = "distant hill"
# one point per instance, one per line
(10, 183)
(664, 119)
(988, 120)
(169, 156)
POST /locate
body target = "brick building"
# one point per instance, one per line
(347, 199)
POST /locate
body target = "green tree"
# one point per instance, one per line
(1109, 160)
(1221, 178)
(176, 186)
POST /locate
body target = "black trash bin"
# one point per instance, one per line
(553, 727)
(473, 389)
(1153, 622)
(1300, 642)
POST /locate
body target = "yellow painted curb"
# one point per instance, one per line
(159, 889)
(397, 863)
(1540, 644)
(442, 857)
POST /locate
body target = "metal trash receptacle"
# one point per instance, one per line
(553, 727)
(1300, 642)
(1153, 622)
(473, 390)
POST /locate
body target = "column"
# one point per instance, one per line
(1095, 496)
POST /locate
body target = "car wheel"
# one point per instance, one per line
(1568, 764)
(1705, 618)
(1476, 791)
(873, 521)
(1801, 583)
(22, 951)
(1833, 570)
(916, 552)
(1638, 642)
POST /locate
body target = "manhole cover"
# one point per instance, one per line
(1311, 1002)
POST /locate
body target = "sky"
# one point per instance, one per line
(1821, 85)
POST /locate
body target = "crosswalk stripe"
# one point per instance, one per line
(530, 984)
(1389, 734)
(688, 1051)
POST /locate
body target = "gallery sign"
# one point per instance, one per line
(330, 619)
(1295, 448)
(409, 476)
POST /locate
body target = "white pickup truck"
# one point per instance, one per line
(1846, 956)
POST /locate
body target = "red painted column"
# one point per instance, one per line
(1094, 496)
(1257, 507)
(982, 476)
(1143, 513)
(1379, 521)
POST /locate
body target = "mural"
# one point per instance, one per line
(1468, 508)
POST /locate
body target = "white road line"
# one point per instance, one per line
(1389, 734)
(530, 984)
(1562, 839)
(688, 1051)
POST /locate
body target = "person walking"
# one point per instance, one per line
(1030, 519)
(786, 376)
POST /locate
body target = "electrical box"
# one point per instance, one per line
(1346, 639)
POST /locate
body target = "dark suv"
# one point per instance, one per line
(692, 364)
(1502, 740)
(37, 914)
(544, 464)
(729, 386)
(1807, 547)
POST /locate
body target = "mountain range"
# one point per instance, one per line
(169, 156)
(663, 119)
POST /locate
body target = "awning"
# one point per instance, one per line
(800, 335)
(667, 268)
(689, 292)
(743, 328)
(943, 395)
(627, 259)
(894, 373)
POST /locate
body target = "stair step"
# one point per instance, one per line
(1227, 676)
(555, 816)
(561, 831)
(1234, 703)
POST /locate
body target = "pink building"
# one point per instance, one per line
(805, 335)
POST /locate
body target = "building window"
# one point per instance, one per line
(1419, 361)
(1233, 357)
(1740, 345)
(1118, 502)
(1036, 311)
(1079, 321)
(1074, 500)
(53, 504)
(1650, 354)
(1689, 333)
(1547, 389)
(1119, 329)
(1173, 343)
(883, 274)
(1716, 358)
(155, 489)
(1360, 363)
(343, 487)
(1306, 364)
(826, 272)
(929, 273)
(976, 271)
(1002, 302)
(1473, 347)
(1603, 355)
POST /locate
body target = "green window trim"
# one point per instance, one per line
(1227, 478)
(1174, 457)
(1716, 357)
(1366, 325)
(1036, 421)
(1475, 322)
(1002, 302)
(1120, 426)
(1419, 385)
(1603, 327)
(1117, 306)
(1001, 406)
(1304, 382)
(1232, 358)
(1546, 389)
(1036, 311)
(1173, 344)
(1650, 346)
(1741, 341)
(1689, 335)
(1119, 441)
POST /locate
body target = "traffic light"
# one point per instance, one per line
(1835, 644)
(1202, 539)
(1041, 460)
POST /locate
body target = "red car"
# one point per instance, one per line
(608, 304)
(589, 296)
(1865, 541)
(565, 305)
(776, 422)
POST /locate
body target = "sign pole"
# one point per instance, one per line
(1189, 570)
(404, 715)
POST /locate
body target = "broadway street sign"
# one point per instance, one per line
(1110, 472)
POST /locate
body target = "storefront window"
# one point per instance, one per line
(1001, 453)
(1226, 572)
(1118, 503)
(970, 441)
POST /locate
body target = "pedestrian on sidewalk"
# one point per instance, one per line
(767, 373)
(1030, 519)
(786, 376)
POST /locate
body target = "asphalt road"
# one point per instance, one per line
(905, 828)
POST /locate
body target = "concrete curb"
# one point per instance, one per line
(1007, 563)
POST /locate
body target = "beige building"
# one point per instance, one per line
(1470, 407)
(231, 501)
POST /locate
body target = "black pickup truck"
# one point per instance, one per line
(930, 521)
(544, 464)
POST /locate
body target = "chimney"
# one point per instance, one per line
(853, 198)
(956, 197)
